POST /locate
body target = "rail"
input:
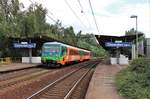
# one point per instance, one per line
(77, 83)
(52, 84)
(60, 79)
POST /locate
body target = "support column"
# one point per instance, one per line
(118, 55)
(30, 55)
(133, 51)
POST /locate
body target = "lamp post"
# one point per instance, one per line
(134, 16)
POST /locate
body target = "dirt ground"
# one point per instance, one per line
(102, 85)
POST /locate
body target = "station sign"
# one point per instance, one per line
(24, 45)
(118, 44)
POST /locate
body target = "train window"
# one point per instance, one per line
(73, 52)
(70, 52)
(86, 53)
(80, 52)
(63, 50)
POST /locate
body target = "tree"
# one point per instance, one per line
(32, 22)
(130, 32)
(69, 36)
(35, 20)
(11, 17)
(127, 51)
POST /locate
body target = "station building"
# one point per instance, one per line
(147, 47)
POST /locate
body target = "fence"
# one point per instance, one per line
(16, 59)
(6, 60)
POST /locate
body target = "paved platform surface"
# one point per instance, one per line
(102, 83)
(15, 66)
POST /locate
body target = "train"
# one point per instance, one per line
(59, 54)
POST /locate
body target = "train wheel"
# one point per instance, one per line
(59, 65)
(48, 65)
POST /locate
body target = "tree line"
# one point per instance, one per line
(20, 23)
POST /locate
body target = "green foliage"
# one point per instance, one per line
(69, 36)
(141, 65)
(15, 22)
(132, 31)
(88, 42)
(134, 82)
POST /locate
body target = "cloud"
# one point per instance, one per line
(119, 18)
(113, 16)
(143, 13)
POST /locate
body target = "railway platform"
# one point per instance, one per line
(102, 84)
(15, 66)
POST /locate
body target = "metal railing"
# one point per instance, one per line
(6, 60)
(16, 59)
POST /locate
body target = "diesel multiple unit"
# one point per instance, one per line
(60, 54)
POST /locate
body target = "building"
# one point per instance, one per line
(147, 46)
(141, 47)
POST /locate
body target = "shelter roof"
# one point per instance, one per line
(102, 39)
(39, 40)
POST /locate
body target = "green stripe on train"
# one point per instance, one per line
(55, 58)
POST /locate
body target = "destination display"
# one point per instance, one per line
(118, 44)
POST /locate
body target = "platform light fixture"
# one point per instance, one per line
(135, 16)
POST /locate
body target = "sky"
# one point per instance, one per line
(112, 16)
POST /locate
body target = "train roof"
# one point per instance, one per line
(66, 45)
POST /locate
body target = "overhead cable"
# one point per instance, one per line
(46, 14)
(80, 6)
(74, 13)
(82, 11)
(93, 16)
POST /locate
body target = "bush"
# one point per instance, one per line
(134, 82)
(140, 65)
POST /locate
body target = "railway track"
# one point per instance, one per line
(64, 87)
(21, 78)
(13, 78)
(15, 74)
(24, 86)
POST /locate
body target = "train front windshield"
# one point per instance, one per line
(51, 50)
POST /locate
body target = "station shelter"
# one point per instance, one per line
(29, 49)
(120, 48)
